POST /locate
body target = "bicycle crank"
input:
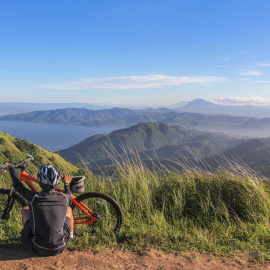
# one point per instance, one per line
(98, 217)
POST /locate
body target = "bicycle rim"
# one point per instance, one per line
(107, 212)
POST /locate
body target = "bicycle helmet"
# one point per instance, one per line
(48, 176)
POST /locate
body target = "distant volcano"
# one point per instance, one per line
(205, 107)
(199, 102)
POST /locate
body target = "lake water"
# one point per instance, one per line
(52, 137)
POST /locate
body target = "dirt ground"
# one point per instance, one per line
(19, 258)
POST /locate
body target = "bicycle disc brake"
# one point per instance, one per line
(98, 218)
(97, 214)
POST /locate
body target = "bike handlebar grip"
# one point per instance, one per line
(4, 167)
(29, 157)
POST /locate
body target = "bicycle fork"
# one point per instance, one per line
(5, 214)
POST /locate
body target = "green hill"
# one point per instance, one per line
(251, 154)
(15, 149)
(205, 145)
(208, 122)
(154, 140)
(255, 153)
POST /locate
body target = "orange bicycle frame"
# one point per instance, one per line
(27, 178)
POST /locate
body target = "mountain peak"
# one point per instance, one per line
(199, 102)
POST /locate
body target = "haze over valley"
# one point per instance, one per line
(196, 115)
(158, 135)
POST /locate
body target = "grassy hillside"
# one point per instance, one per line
(154, 140)
(223, 212)
(226, 212)
(15, 149)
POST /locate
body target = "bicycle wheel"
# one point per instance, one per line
(16, 202)
(108, 213)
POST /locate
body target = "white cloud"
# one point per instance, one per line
(243, 100)
(264, 64)
(255, 82)
(251, 73)
(226, 59)
(131, 82)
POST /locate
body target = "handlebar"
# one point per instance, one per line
(4, 167)
(22, 163)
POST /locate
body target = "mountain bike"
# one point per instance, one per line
(92, 211)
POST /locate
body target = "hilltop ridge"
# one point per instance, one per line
(15, 149)
(150, 140)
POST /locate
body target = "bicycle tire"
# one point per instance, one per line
(4, 193)
(111, 216)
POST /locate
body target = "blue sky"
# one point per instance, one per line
(148, 52)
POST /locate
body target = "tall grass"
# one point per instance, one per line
(225, 212)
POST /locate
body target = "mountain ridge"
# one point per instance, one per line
(228, 124)
(144, 139)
